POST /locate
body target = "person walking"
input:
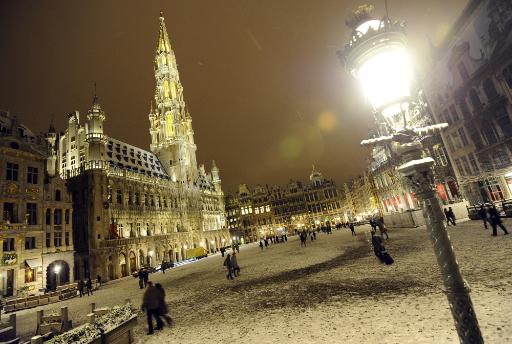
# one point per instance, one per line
(164, 266)
(237, 248)
(236, 267)
(352, 228)
(495, 220)
(266, 242)
(98, 281)
(382, 228)
(141, 279)
(163, 310)
(88, 285)
(451, 215)
(145, 277)
(229, 267)
(447, 216)
(482, 213)
(151, 305)
(81, 286)
(261, 245)
(222, 251)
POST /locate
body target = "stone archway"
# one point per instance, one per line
(123, 268)
(57, 274)
(133, 261)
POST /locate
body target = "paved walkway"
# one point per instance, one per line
(332, 291)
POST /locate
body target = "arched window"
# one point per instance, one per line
(490, 89)
(57, 195)
(474, 98)
(507, 74)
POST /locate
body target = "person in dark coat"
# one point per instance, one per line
(229, 267)
(261, 245)
(451, 215)
(145, 277)
(495, 220)
(151, 305)
(88, 284)
(80, 286)
(352, 228)
(234, 264)
(222, 251)
(482, 213)
(98, 281)
(141, 279)
(163, 310)
(382, 228)
(448, 217)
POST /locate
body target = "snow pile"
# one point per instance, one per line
(88, 332)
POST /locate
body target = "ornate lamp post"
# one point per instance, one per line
(377, 56)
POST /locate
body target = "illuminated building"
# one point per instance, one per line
(36, 223)
(134, 207)
(470, 88)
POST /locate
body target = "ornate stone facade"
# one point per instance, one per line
(36, 224)
(470, 87)
(265, 211)
(134, 207)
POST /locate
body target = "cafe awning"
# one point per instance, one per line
(32, 263)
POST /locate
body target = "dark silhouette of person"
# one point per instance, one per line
(151, 305)
(482, 214)
(495, 219)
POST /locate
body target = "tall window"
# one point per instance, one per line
(474, 164)
(507, 74)
(490, 89)
(453, 113)
(489, 133)
(12, 172)
(474, 98)
(32, 213)
(57, 217)
(463, 137)
(48, 239)
(119, 197)
(8, 245)
(32, 175)
(459, 167)
(463, 106)
(57, 237)
(66, 216)
(466, 165)
(48, 217)
(30, 243)
(66, 238)
(57, 195)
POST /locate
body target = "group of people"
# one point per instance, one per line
(143, 278)
(378, 223)
(153, 303)
(231, 264)
(87, 285)
(303, 236)
(489, 214)
(265, 242)
(450, 216)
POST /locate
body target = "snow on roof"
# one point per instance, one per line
(131, 158)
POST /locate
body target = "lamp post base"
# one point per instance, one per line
(418, 173)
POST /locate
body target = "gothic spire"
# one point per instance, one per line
(163, 44)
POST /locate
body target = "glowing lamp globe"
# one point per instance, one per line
(377, 56)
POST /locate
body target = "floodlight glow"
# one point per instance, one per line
(386, 76)
(56, 269)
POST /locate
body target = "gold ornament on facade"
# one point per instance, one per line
(11, 189)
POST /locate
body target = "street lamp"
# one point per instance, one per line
(377, 56)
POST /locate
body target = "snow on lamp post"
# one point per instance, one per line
(377, 56)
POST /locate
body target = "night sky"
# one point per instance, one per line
(267, 95)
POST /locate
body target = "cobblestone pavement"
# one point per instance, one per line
(332, 291)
